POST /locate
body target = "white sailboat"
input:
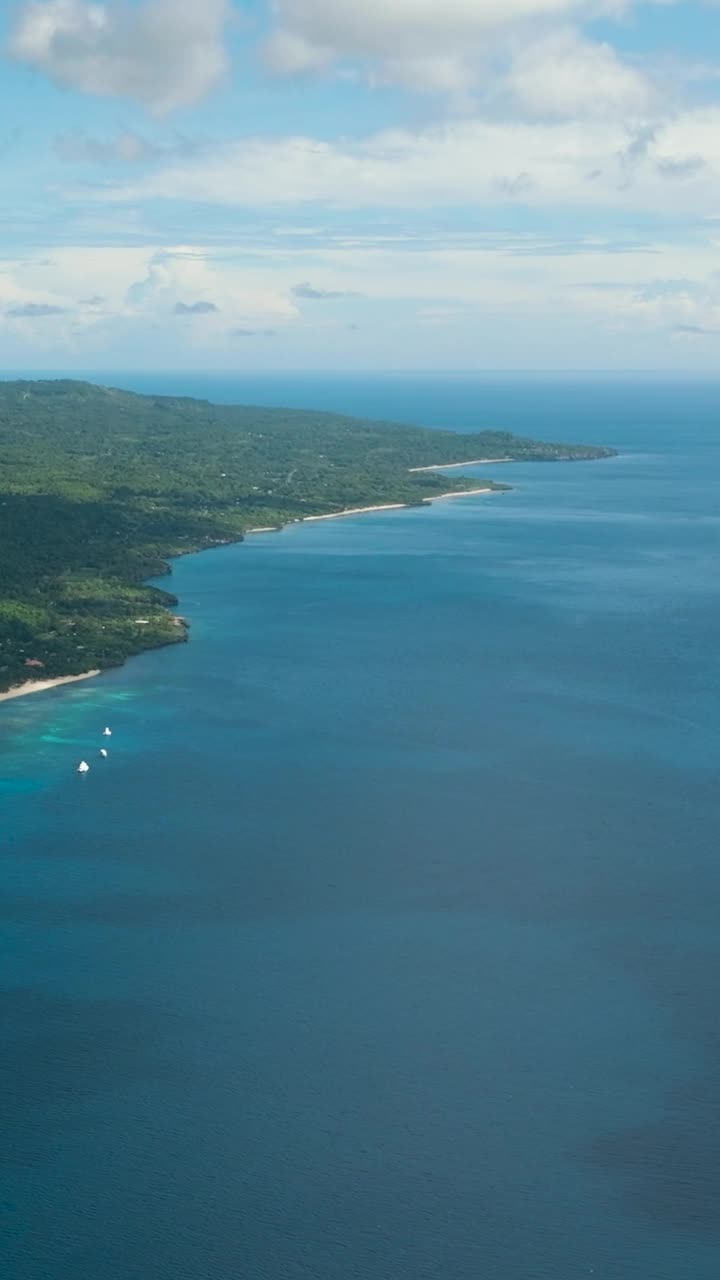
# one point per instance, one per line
(83, 767)
(103, 753)
(107, 733)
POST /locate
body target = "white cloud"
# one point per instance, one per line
(688, 308)
(396, 28)
(499, 294)
(290, 53)
(164, 53)
(425, 44)
(178, 298)
(222, 298)
(566, 76)
(170, 53)
(591, 162)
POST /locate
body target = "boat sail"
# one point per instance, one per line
(83, 767)
(107, 733)
(103, 753)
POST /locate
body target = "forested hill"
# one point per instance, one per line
(99, 487)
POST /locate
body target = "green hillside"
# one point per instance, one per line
(100, 487)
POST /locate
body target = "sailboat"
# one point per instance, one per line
(83, 767)
(103, 753)
(107, 733)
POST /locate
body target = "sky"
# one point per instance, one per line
(360, 184)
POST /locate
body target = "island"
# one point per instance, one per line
(100, 488)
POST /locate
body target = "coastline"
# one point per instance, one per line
(394, 506)
(352, 511)
(40, 686)
(451, 466)
(463, 493)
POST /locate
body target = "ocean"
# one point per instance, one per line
(385, 944)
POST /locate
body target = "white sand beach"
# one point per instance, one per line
(357, 511)
(473, 462)
(396, 506)
(39, 686)
(461, 493)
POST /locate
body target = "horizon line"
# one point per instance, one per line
(44, 372)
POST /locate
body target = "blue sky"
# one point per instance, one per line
(246, 184)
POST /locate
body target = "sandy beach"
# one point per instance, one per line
(462, 493)
(473, 462)
(39, 686)
(396, 506)
(357, 511)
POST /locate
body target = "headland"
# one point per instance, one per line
(101, 488)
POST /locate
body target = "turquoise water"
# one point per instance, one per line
(385, 945)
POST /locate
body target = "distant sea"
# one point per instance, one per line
(385, 944)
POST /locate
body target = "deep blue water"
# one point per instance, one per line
(385, 946)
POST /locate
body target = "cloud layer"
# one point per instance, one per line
(164, 53)
(591, 163)
(313, 33)
(527, 186)
(458, 47)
